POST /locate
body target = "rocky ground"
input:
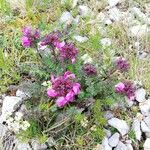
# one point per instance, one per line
(136, 20)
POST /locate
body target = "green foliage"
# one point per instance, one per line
(132, 136)
(34, 131)
(4, 7)
(99, 120)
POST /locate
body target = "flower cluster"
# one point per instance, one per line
(30, 36)
(122, 64)
(126, 88)
(51, 39)
(89, 69)
(16, 123)
(64, 88)
(69, 51)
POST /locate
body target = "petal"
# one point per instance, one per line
(61, 102)
(68, 74)
(76, 88)
(51, 93)
(70, 96)
(59, 45)
(73, 60)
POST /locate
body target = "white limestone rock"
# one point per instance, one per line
(22, 94)
(66, 17)
(129, 147)
(105, 144)
(147, 121)
(121, 146)
(84, 10)
(145, 107)
(120, 125)
(80, 39)
(147, 144)
(114, 140)
(140, 95)
(139, 30)
(113, 3)
(136, 129)
(105, 42)
(144, 127)
(115, 14)
(9, 104)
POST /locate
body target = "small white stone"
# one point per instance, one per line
(108, 132)
(105, 42)
(147, 144)
(23, 95)
(66, 17)
(80, 39)
(147, 134)
(121, 146)
(129, 147)
(114, 139)
(145, 107)
(84, 11)
(9, 103)
(147, 121)
(105, 144)
(144, 127)
(113, 2)
(120, 125)
(139, 30)
(136, 129)
(115, 14)
(142, 55)
(140, 94)
(23, 146)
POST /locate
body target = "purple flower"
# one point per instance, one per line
(26, 41)
(51, 93)
(120, 87)
(127, 88)
(51, 39)
(30, 36)
(26, 31)
(122, 64)
(89, 69)
(64, 88)
(61, 102)
(68, 51)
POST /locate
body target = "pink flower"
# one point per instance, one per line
(64, 88)
(59, 45)
(120, 87)
(69, 52)
(30, 36)
(70, 96)
(68, 74)
(61, 102)
(25, 41)
(76, 88)
(51, 93)
(127, 88)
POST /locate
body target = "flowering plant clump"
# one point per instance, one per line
(30, 36)
(126, 88)
(51, 39)
(122, 64)
(89, 69)
(64, 88)
(69, 52)
(78, 83)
